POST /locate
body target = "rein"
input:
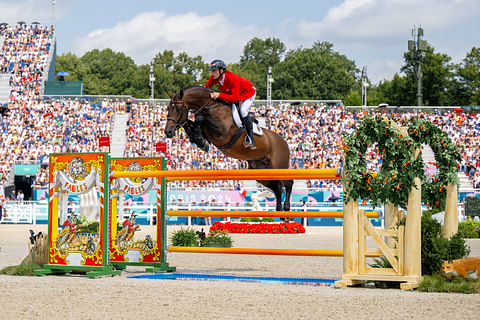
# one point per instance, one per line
(205, 107)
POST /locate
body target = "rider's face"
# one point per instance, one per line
(215, 74)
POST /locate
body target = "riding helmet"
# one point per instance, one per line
(217, 64)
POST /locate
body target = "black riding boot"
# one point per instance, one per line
(248, 142)
(201, 142)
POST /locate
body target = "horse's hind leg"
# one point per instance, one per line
(288, 191)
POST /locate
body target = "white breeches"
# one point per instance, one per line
(245, 105)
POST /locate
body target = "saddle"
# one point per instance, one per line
(236, 118)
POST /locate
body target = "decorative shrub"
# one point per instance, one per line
(469, 229)
(185, 238)
(435, 247)
(220, 238)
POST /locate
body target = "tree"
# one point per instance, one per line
(106, 72)
(314, 73)
(437, 78)
(258, 55)
(394, 92)
(72, 64)
(175, 73)
(266, 53)
(468, 87)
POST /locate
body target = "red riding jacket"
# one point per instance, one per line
(235, 88)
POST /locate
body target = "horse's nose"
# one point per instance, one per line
(169, 132)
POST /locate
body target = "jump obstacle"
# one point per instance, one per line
(403, 253)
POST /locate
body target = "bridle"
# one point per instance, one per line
(177, 122)
(185, 112)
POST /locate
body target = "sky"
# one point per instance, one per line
(372, 33)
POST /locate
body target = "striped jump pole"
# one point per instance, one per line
(251, 174)
(270, 252)
(272, 214)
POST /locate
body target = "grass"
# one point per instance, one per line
(438, 283)
(21, 270)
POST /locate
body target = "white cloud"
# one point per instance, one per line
(145, 35)
(13, 11)
(367, 30)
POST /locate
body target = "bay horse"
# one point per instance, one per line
(220, 129)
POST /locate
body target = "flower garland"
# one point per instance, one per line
(399, 166)
(292, 227)
(447, 158)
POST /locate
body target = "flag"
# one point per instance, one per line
(243, 192)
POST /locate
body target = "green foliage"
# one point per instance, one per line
(468, 86)
(469, 229)
(318, 72)
(21, 270)
(220, 238)
(394, 181)
(399, 167)
(438, 283)
(447, 157)
(185, 238)
(381, 262)
(435, 247)
(314, 73)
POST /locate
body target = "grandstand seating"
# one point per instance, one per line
(36, 126)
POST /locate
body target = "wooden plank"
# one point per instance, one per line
(401, 250)
(381, 271)
(362, 260)
(383, 246)
(386, 232)
(375, 252)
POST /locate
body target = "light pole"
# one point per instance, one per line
(53, 15)
(269, 87)
(418, 52)
(364, 86)
(152, 84)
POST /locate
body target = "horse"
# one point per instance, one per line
(218, 126)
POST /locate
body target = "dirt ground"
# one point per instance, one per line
(120, 297)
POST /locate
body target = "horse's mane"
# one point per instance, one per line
(195, 87)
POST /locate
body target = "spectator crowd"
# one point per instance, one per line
(34, 126)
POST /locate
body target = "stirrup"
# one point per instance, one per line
(249, 144)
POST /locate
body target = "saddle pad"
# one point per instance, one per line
(236, 118)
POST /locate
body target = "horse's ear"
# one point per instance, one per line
(170, 94)
(181, 93)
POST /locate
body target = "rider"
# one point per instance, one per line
(237, 90)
